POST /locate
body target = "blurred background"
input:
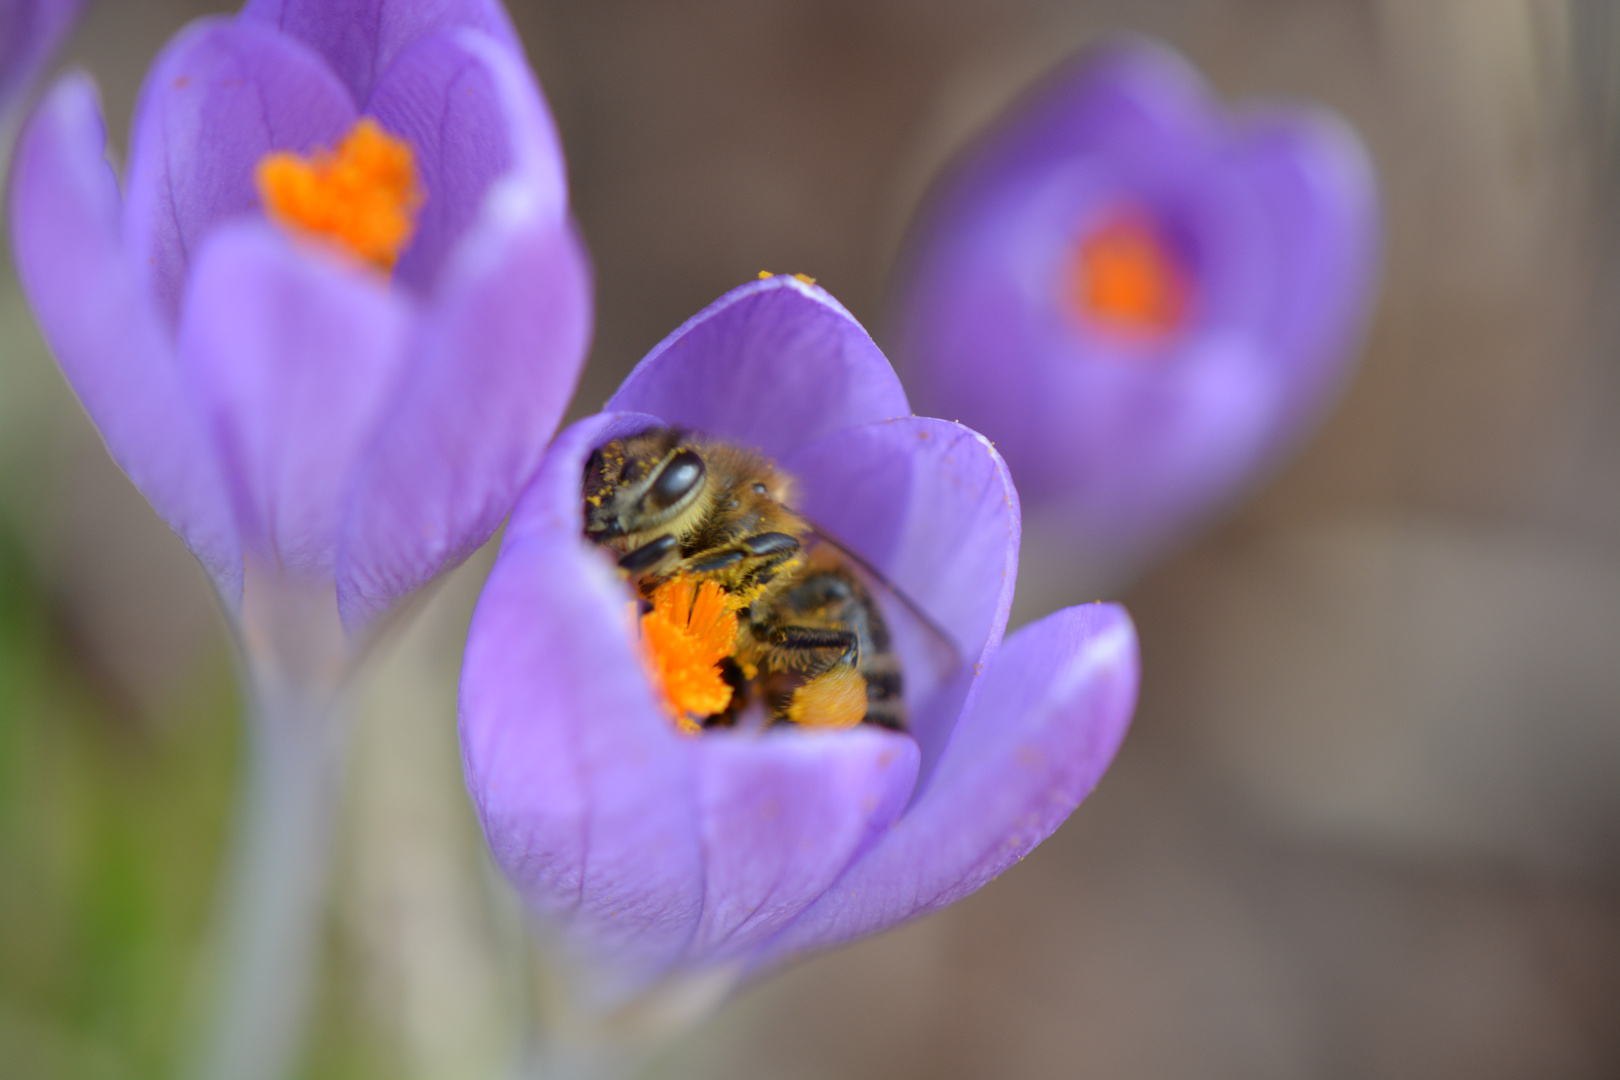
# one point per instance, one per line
(1367, 822)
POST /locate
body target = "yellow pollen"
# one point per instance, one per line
(1124, 277)
(834, 700)
(685, 636)
(363, 196)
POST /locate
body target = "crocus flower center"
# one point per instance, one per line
(750, 616)
(690, 629)
(1125, 277)
(363, 196)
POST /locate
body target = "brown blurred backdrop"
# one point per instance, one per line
(1367, 823)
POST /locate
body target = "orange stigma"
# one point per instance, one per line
(363, 196)
(1124, 277)
(685, 636)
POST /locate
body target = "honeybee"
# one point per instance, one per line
(674, 503)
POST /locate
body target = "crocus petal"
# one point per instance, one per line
(30, 31)
(362, 41)
(655, 848)
(489, 379)
(1147, 453)
(782, 816)
(584, 801)
(290, 400)
(105, 330)
(439, 98)
(929, 504)
(1315, 178)
(221, 95)
(1129, 104)
(774, 365)
(534, 147)
(472, 113)
(501, 349)
(1055, 707)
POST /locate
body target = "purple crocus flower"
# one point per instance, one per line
(327, 329)
(280, 404)
(657, 853)
(1141, 297)
(30, 32)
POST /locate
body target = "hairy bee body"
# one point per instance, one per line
(826, 593)
(668, 503)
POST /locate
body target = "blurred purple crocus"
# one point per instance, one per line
(280, 405)
(1143, 298)
(655, 853)
(327, 328)
(30, 32)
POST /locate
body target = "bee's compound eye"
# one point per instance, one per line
(683, 473)
(759, 488)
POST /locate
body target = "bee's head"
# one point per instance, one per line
(641, 483)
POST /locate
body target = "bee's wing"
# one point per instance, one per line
(916, 633)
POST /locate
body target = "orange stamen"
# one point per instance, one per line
(685, 636)
(364, 195)
(1124, 277)
(834, 700)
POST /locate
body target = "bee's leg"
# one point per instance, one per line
(771, 543)
(770, 550)
(648, 555)
(807, 641)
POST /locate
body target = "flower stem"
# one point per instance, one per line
(597, 1063)
(577, 1039)
(274, 901)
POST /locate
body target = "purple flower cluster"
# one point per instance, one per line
(1142, 298)
(658, 852)
(280, 406)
